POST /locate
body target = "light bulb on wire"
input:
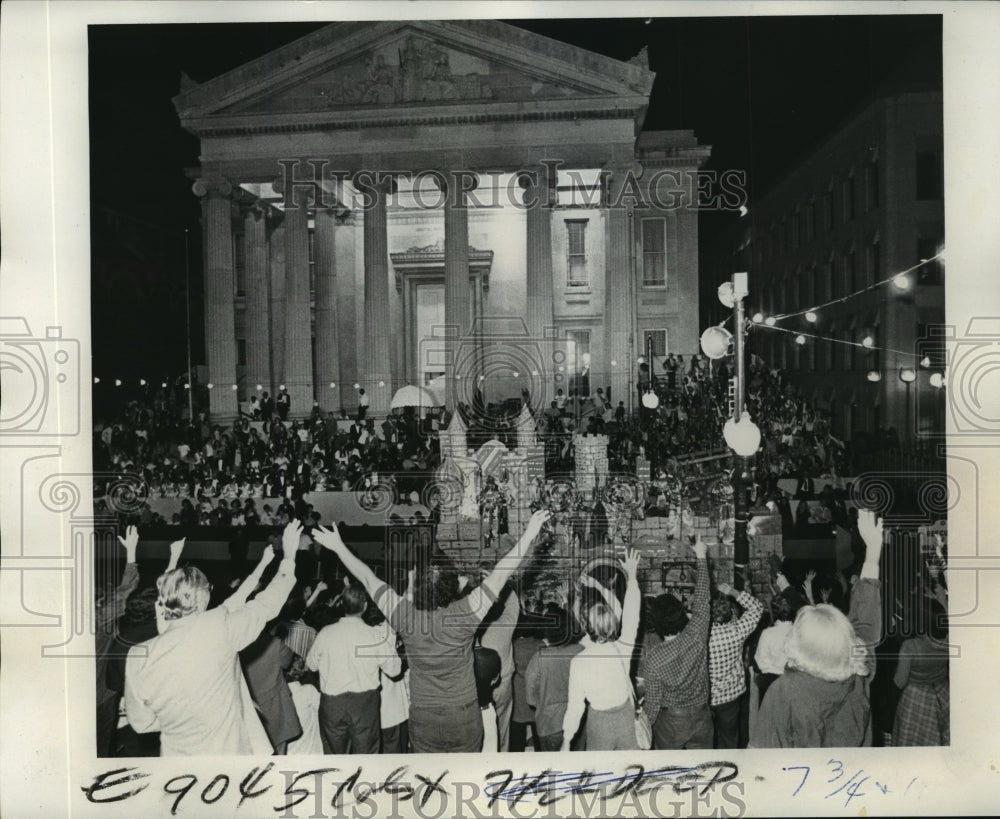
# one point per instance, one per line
(902, 282)
(867, 342)
(811, 317)
(800, 340)
(758, 318)
(770, 321)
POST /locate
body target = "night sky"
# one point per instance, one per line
(761, 91)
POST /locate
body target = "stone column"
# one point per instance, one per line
(258, 293)
(375, 372)
(276, 252)
(348, 332)
(619, 361)
(220, 309)
(327, 344)
(539, 197)
(298, 313)
(460, 361)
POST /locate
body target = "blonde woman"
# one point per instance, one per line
(822, 699)
(599, 674)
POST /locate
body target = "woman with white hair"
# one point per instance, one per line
(822, 699)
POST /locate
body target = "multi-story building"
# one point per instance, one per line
(327, 281)
(864, 206)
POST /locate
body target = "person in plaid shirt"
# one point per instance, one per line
(676, 670)
(727, 676)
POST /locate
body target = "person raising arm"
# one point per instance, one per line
(480, 599)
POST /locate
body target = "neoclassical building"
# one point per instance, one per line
(454, 204)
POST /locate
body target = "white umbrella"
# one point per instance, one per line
(412, 396)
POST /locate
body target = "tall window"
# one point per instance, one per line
(795, 229)
(829, 281)
(828, 210)
(810, 221)
(933, 272)
(850, 273)
(871, 185)
(929, 177)
(874, 265)
(578, 359)
(847, 194)
(654, 342)
(654, 252)
(807, 287)
(576, 253)
(241, 352)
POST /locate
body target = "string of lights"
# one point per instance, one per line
(899, 279)
(868, 347)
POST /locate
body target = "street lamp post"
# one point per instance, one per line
(741, 543)
(740, 432)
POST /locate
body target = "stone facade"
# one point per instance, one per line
(436, 201)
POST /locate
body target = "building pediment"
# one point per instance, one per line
(419, 65)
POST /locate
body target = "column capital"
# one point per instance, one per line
(539, 187)
(302, 194)
(212, 187)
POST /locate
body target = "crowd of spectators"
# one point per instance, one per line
(454, 663)
(232, 467)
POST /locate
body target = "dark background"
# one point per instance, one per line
(761, 91)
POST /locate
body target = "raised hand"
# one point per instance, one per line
(810, 577)
(699, 548)
(726, 589)
(328, 538)
(176, 548)
(131, 540)
(870, 529)
(291, 538)
(535, 524)
(267, 555)
(631, 563)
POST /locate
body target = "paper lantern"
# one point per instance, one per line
(650, 400)
(800, 340)
(907, 375)
(142, 382)
(118, 382)
(925, 361)
(97, 380)
(874, 376)
(743, 436)
(715, 342)
(234, 387)
(937, 380)
(210, 385)
(811, 317)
